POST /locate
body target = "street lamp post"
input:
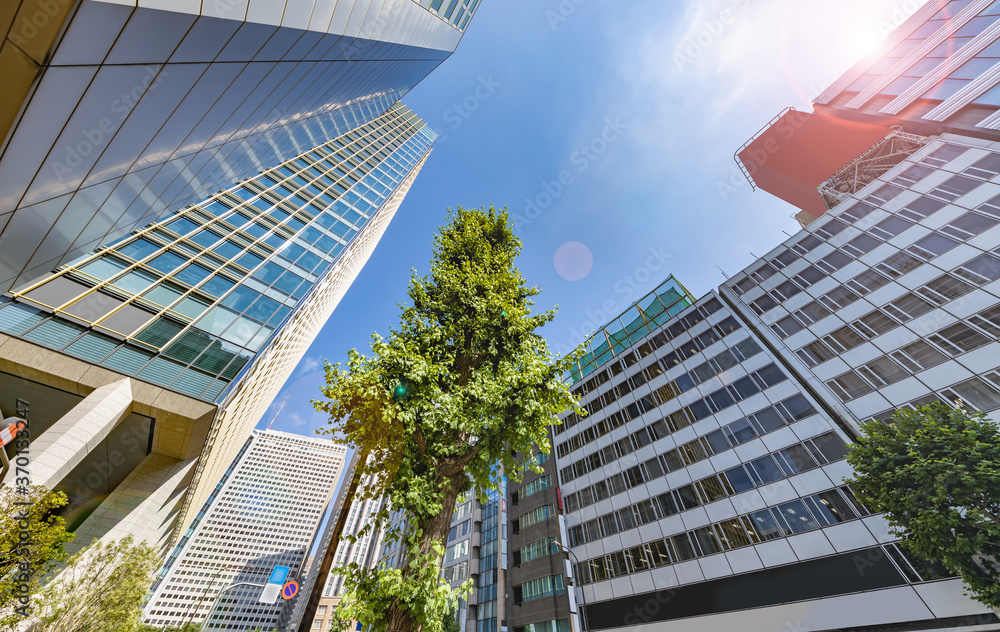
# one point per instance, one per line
(583, 598)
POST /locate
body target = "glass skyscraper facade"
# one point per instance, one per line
(194, 323)
(187, 302)
(265, 512)
(116, 114)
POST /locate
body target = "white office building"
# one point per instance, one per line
(264, 512)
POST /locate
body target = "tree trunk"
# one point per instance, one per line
(435, 529)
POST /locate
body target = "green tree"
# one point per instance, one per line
(451, 396)
(28, 519)
(935, 474)
(100, 590)
(451, 623)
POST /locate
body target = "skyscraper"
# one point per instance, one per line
(149, 361)
(938, 72)
(114, 115)
(265, 512)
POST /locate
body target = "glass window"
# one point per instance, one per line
(798, 517)
(739, 479)
(766, 469)
(765, 525)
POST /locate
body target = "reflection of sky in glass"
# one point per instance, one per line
(642, 318)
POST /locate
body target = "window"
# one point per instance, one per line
(807, 244)
(787, 326)
(986, 168)
(762, 273)
(954, 188)
(958, 339)
(919, 356)
(875, 324)
(830, 228)
(867, 282)
(908, 307)
(882, 372)
(883, 194)
(969, 225)
(856, 212)
(763, 305)
(812, 313)
(921, 208)
(770, 375)
(981, 270)
(889, 227)
(798, 518)
(809, 276)
(766, 469)
(913, 175)
(932, 246)
(849, 386)
(739, 479)
(975, 393)
(553, 584)
(833, 261)
(943, 155)
(843, 339)
(797, 459)
(798, 408)
(785, 259)
(838, 298)
(815, 353)
(944, 289)
(860, 245)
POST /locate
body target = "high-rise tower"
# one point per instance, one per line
(115, 114)
(265, 512)
(148, 362)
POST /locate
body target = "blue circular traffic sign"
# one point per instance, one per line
(290, 589)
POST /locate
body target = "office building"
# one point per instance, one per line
(706, 486)
(149, 361)
(265, 512)
(116, 114)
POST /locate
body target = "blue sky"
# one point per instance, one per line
(637, 107)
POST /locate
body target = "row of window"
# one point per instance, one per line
(908, 307)
(531, 488)
(733, 434)
(535, 550)
(894, 266)
(916, 210)
(538, 588)
(681, 325)
(740, 352)
(780, 521)
(795, 459)
(533, 517)
(951, 341)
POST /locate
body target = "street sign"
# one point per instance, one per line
(272, 589)
(290, 590)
